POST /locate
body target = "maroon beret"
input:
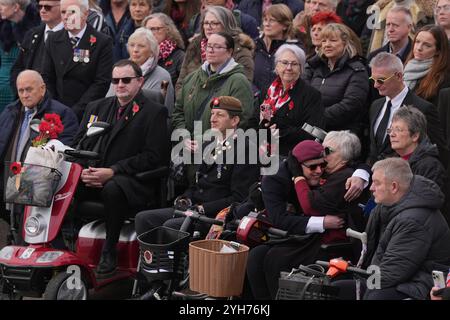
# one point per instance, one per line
(307, 150)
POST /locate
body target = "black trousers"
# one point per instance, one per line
(116, 208)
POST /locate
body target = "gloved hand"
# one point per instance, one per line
(182, 203)
(294, 166)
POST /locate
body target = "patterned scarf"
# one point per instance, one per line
(166, 47)
(277, 96)
(203, 44)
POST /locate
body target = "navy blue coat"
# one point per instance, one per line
(9, 121)
(254, 7)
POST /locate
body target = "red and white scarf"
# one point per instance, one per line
(166, 47)
(277, 96)
(203, 44)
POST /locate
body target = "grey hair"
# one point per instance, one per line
(296, 50)
(387, 60)
(334, 3)
(405, 11)
(414, 119)
(395, 169)
(225, 17)
(172, 32)
(149, 37)
(23, 4)
(346, 142)
(84, 5)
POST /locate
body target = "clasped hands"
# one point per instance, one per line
(96, 177)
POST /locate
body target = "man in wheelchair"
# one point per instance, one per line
(136, 142)
(218, 184)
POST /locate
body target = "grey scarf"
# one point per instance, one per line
(415, 70)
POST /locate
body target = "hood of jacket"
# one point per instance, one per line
(228, 68)
(424, 149)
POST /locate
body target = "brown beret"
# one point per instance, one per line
(226, 103)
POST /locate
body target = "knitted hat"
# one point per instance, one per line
(307, 150)
(226, 103)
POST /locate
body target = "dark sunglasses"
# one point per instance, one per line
(313, 167)
(46, 7)
(327, 151)
(125, 80)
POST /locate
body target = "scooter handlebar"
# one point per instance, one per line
(277, 232)
(82, 154)
(362, 236)
(360, 271)
(197, 216)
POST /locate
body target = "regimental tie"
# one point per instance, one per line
(120, 112)
(74, 41)
(382, 127)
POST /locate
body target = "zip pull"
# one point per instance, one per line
(323, 80)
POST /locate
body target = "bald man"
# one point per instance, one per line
(33, 103)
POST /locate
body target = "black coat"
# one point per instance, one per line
(344, 90)
(434, 129)
(424, 161)
(77, 83)
(444, 113)
(173, 63)
(386, 48)
(136, 143)
(219, 185)
(31, 54)
(409, 239)
(308, 108)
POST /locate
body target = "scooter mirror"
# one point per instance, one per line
(34, 125)
(97, 128)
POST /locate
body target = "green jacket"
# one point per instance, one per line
(197, 87)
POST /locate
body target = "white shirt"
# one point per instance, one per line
(79, 34)
(58, 27)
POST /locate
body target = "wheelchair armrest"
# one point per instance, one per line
(157, 173)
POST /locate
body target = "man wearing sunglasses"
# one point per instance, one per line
(78, 59)
(32, 53)
(387, 74)
(137, 141)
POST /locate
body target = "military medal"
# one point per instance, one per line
(76, 55)
(86, 56)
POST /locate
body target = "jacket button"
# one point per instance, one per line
(200, 190)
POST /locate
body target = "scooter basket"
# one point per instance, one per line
(303, 285)
(161, 251)
(30, 184)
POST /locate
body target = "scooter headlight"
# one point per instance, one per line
(6, 253)
(33, 226)
(49, 256)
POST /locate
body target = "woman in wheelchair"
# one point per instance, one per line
(316, 175)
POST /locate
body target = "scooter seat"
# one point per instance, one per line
(91, 210)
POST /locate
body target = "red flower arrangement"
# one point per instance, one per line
(135, 108)
(49, 128)
(92, 40)
(15, 168)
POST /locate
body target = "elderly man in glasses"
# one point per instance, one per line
(136, 142)
(306, 196)
(387, 74)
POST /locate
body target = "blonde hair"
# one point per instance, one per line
(352, 46)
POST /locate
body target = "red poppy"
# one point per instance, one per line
(49, 128)
(291, 105)
(216, 101)
(135, 108)
(92, 40)
(168, 63)
(15, 167)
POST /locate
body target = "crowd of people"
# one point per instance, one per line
(373, 75)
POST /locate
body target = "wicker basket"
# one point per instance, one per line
(216, 273)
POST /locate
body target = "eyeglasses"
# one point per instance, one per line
(395, 130)
(214, 47)
(269, 21)
(444, 8)
(327, 151)
(156, 29)
(125, 80)
(46, 7)
(381, 81)
(286, 63)
(211, 24)
(314, 166)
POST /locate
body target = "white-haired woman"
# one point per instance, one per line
(171, 45)
(290, 102)
(144, 50)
